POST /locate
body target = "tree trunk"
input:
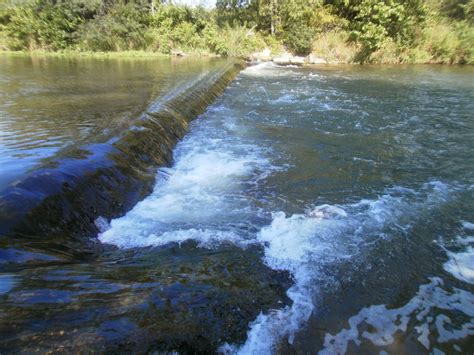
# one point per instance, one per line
(273, 16)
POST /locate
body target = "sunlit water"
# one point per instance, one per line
(49, 104)
(357, 182)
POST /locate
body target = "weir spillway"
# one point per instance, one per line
(50, 214)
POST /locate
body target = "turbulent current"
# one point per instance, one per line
(308, 210)
(264, 152)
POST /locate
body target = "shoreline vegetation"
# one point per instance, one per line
(284, 31)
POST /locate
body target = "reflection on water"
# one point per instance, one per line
(47, 104)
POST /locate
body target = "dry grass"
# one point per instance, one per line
(334, 47)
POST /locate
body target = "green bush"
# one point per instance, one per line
(215, 41)
(466, 42)
(45, 25)
(378, 21)
(22, 28)
(335, 46)
(299, 38)
(449, 43)
(122, 28)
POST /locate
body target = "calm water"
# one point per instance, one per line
(49, 104)
(308, 210)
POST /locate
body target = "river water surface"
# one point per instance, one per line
(325, 209)
(49, 104)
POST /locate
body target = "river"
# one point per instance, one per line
(325, 209)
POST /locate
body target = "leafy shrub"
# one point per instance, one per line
(46, 25)
(22, 28)
(449, 43)
(215, 41)
(378, 24)
(241, 41)
(466, 42)
(58, 24)
(299, 38)
(122, 28)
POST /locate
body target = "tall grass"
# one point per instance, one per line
(335, 47)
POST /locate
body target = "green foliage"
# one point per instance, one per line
(178, 27)
(298, 24)
(44, 25)
(21, 28)
(235, 41)
(238, 13)
(299, 39)
(346, 30)
(377, 23)
(449, 43)
(123, 27)
(214, 41)
(457, 9)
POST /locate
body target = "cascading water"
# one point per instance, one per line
(58, 201)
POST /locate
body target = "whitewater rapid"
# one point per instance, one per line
(213, 195)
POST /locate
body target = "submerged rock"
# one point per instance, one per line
(177, 298)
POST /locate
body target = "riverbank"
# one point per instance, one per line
(92, 54)
(330, 55)
(398, 33)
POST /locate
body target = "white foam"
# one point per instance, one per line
(305, 244)
(7, 283)
(194, 191)
(385, 323)
(204, 192)
(461, 265)
(284, 99)
(464, 240)
(468, 225)
(206, 238)
(259, 69)
(269, 69)
(368, 161)
(461, 262)
(102, 224)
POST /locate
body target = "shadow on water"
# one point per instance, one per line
(177, 298)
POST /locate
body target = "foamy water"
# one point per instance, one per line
(304, 244)
(221, 189)
(417, 313)
(204, 186)
(461, 262)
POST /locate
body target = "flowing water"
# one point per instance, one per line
(86, 143)
(49, 104)
(307, 210)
